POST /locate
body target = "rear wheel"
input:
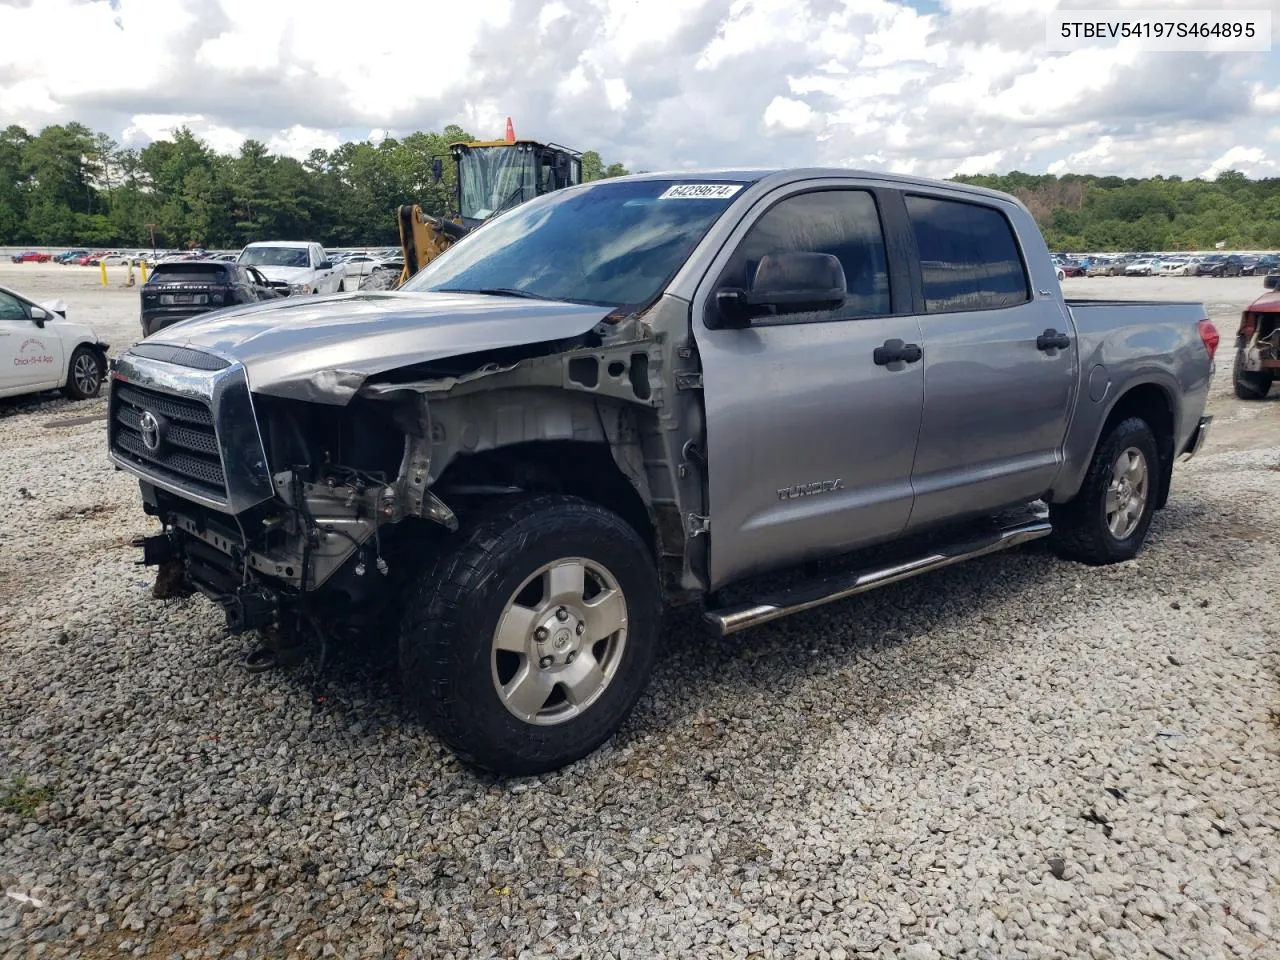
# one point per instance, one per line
(526, 646)
(1108, 519)
(1249, 384)
(84, 374)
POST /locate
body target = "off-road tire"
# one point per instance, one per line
(77, 386)
(1080, 529)
(453, 608)
(1249, 384)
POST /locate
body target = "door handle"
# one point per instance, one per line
(1052, 340)
(892, 351)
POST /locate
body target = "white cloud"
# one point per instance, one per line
(662, 83)
(616, 93)
(1248, 160)
(1266, 101)
(145, 127)
(298, 141)
(788, 116)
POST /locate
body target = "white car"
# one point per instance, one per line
(1173, 268)
(1142, 268)
(303, 265)
(41, 350)
(360, 265)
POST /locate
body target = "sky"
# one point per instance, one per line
(928, 87)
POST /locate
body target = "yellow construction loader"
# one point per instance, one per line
(492, 177)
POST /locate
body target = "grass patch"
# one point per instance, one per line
(21, 797)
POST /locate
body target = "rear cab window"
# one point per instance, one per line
(969, 255)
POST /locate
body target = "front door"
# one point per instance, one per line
(809, 441)
(996, 402)
(30, 357)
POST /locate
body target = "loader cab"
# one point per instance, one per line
(494, 177)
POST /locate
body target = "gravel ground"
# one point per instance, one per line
(1018, 757)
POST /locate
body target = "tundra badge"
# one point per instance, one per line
(810, 489)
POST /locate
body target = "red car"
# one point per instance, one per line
(31, 256)
(1257, 363)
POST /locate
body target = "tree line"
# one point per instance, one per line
(1090, 213)
(68, 185)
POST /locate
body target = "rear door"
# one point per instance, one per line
(998, 395)
(809, 441)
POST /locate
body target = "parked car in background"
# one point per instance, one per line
(358, 266)
(1257, 360)
(303, 265)
(1248, 264)
(70, 256)
(31, 256)
(1222, 265)
(179, 289)
(1267, 263)
(1142, 268)
(41, 350)
(555, 429)
(1176, 267)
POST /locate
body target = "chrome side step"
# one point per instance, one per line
(840, 586)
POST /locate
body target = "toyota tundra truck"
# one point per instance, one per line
(754, 391)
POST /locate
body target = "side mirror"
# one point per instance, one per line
(325, 265)
(786, 281)
(39, 315)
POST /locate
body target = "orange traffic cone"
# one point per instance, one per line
(511, 132)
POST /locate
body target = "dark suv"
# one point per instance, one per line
(184, 288)
(1231, 265)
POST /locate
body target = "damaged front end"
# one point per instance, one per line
(273, 508)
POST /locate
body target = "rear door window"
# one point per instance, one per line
(969, 256)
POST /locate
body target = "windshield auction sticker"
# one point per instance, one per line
(700, 191)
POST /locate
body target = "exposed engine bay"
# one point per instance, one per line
(358, 491)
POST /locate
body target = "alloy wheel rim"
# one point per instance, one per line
(1127, 493)
(559, 641)
(86, 374)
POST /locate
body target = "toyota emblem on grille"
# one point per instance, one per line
(151, 431)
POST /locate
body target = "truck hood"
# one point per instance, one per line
(323, 349)
(287, 274)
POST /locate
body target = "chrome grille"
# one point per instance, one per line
(188, 449)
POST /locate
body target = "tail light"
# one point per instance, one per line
(1209, 337)
(1248, 324)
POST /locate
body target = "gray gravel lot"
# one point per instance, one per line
(1018, 757)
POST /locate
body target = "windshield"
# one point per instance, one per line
(275, 256)
(492, 179)
(616, 243)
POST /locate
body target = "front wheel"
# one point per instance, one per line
(525, 646)
(1107, 520)
(1249, 384)
(84, 374)
(342, 286)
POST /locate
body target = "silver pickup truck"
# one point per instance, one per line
(756, 391)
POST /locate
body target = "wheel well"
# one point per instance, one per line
(1151, 403)
(579, 468)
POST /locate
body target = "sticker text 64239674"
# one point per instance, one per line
(700, 191)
